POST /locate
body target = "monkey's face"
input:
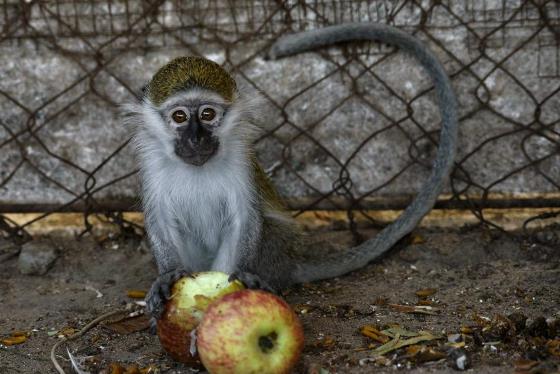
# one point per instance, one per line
(195, 123)
(196, 127)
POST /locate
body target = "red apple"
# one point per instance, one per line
(190, 297)
(249, 331)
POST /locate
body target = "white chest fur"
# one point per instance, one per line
(200, 210)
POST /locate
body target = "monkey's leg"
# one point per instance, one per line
(271, 263)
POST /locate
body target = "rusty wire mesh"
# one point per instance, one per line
(97, 36)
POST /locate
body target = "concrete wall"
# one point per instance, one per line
(65, 69)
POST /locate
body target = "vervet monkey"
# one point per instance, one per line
(208, 204)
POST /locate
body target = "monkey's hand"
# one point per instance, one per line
(252, 281)
(160, 292)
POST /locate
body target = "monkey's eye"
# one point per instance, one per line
(208, 114)
(179, 116)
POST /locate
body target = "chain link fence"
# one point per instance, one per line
(353, 127)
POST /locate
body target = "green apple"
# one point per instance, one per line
(190, 297)
(249, 331)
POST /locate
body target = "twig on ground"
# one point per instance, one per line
(85, 329)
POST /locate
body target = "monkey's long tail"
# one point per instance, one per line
(373, 248)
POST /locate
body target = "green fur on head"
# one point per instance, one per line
(188, 72)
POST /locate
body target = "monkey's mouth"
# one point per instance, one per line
(196, 154)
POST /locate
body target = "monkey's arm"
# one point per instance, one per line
(331, 266)
(264, 258)
(169, 268)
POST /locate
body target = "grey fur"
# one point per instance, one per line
(426, 198)
(218, 216)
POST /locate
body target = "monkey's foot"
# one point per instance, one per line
(252, 281)
(160, 292)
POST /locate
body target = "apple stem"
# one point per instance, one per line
(267, 342)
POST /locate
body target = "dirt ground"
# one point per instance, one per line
(475, 273)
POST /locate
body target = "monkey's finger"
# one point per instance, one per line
(178, 274)
(252, 281)
(165, 290)
(154, 305)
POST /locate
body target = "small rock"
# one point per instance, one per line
(365, 310)
(7, 246)
(518, 321)
(459, 359)
(8, 250)
(455, 338)
(547, 237)
(500, 328)
(523, 344)
(36, 257)
(537, 327)
(412, 253)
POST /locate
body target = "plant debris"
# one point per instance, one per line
(327, 342)
(373, 333)
(420, 353)
(117, 368)
(128, 325)
(14, 339)
(418, 309)
(343, 328)
(136, 294)
(425, 292)
(397, 341)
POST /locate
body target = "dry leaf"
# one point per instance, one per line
(116, 368)
(417, 239)
(397, 342)
(66, 331)
(417, 309)
(149, 369)
(481, 320)
(397, 330)
(524, 365)
(456, 345)
(13, 340)
(373, 333)
(466, 330)
(425, 302)
(132, 369)
(327, 342)
(381, 301)
(136, 294)
(19, 333)
(424, 354)
(553, 347)
(425, 292)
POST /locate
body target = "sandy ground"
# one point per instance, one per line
(475, 273)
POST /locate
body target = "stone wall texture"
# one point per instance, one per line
(356, 121)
